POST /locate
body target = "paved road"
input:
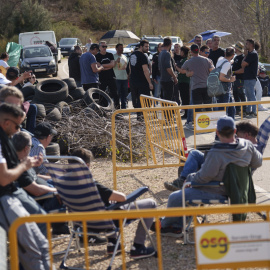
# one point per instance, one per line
(261, 177)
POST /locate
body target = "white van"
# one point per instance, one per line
(38, 38)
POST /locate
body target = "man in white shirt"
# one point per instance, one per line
(119, 69)
(227, 79)
(3, 63)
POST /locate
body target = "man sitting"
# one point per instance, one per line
(107, 195)
(230, 150)
(245, 130)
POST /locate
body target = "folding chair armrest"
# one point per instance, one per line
(212, 184)
(45, 196)
(130, 198)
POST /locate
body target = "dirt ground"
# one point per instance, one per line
(175, 254)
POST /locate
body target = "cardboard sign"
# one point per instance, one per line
(233, 243)
(207, 121)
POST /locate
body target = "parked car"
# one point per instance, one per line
(176, 39)
(39, 38)
(39, 59)
(153, 38)
(67, 45)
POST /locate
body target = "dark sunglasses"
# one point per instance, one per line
(207, 52)
(17, 127)
(31, 146)
(104, 46)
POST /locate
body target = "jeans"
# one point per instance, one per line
(167, 90)
(122, 90)
(157, 88)
(239, 93)
(249, 86)
(190, 111)
(226, 98)
(193, 163)
(175, 200)
(31, 118)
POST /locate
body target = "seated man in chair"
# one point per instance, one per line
(230, 150)
(107, 195)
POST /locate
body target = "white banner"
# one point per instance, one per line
(208, 120)
(233, 243)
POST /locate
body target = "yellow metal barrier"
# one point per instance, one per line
(120, 215)
(164, 133)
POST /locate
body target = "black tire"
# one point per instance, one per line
(101, 100)
(98, 109)
(87, 97)
(51, 91)
(69, 99)
(28, 91)
(77, 93)
(41, 111)
(29, 98)
(63, 107)
(53, 115)
(70, 83)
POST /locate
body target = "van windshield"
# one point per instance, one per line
(37, 52)
(68, 41)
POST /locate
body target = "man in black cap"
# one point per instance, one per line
(90, 68)
(44, 133)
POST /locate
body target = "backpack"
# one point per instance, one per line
(214, 85)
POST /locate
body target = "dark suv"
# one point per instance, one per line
(67, 45)
(39, 59)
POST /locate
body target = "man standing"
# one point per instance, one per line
(250, 65)
(44, 133)
(89, 68)
(107, 76)
(88, 45)
(74, 65)
(238, 86)
(225, 76)
(208, 43)
(198, 68)
(140, 82)
(33, 246)
(216, 51)
(121, 74)
(168, 77)
(198, 40)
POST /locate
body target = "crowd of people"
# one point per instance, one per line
(179, 76)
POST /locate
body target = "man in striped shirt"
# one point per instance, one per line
(44, 133)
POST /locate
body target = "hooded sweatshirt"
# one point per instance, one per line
(242, 153)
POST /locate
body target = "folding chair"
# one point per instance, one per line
(239, 187)
(79, 193)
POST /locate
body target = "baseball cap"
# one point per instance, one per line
(44, 130)
(94, 46)
(194, 48)
(13, 73)
(3, 79)
(225, 121)
(239, 46)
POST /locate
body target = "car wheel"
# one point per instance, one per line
(51, 91)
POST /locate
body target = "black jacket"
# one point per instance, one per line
(74, 66)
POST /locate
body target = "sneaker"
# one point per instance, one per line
(142, 252)
(171, 232)
(261, 108)
(252, 115)
(189, 125)
(153, 226)
(111, 247)
(168, 231)
(94, 240)
(177, 184)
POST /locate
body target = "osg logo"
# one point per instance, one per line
(214, 244)
(203, 121)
